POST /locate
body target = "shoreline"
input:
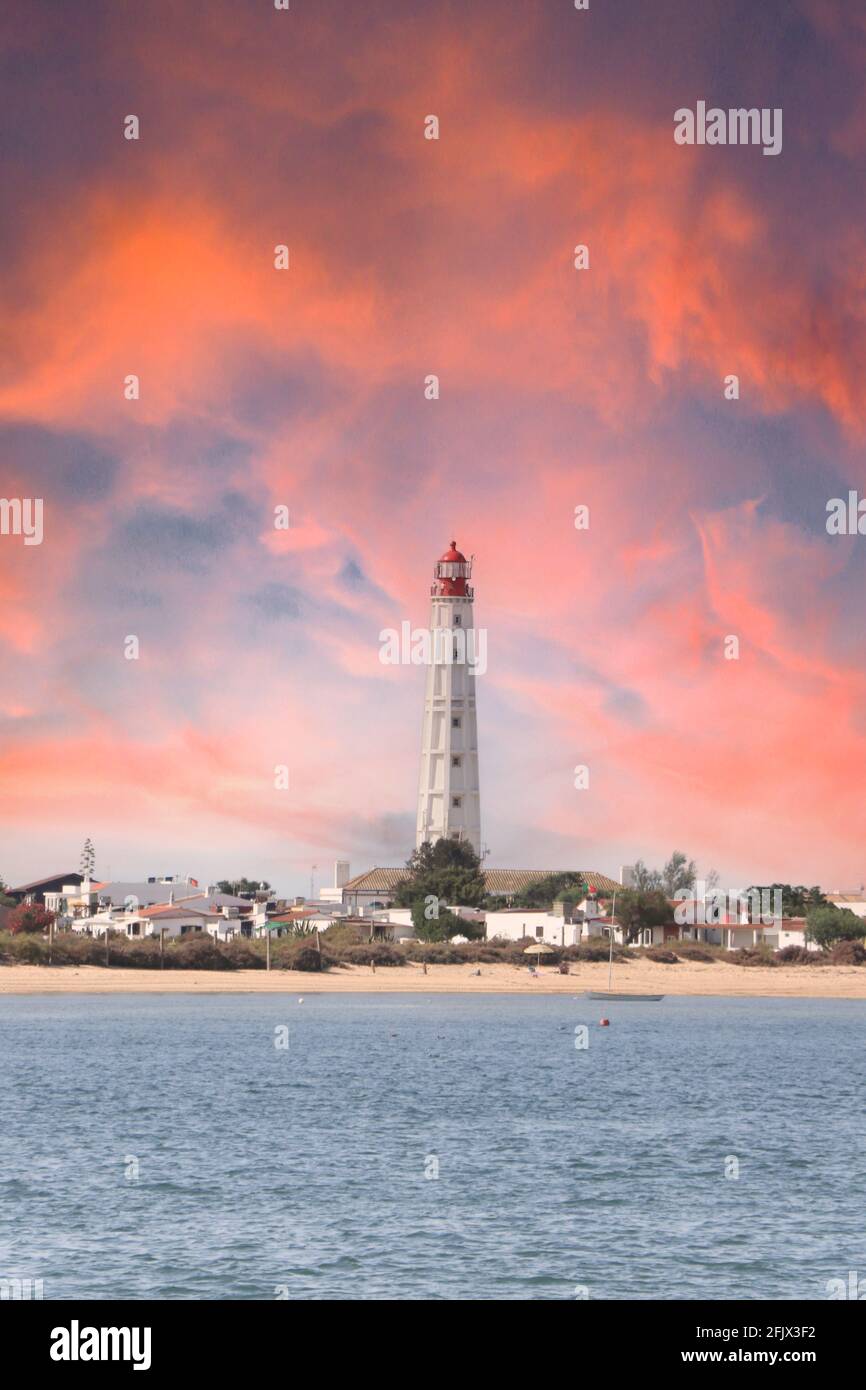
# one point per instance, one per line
(687, 979)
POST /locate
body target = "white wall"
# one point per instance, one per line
(534, 926)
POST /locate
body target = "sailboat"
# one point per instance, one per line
(608, 993)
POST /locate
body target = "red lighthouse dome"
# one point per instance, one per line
(451, 573)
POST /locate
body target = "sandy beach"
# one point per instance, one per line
(816, 982)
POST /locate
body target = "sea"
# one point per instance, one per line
(362, 1146)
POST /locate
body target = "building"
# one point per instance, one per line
(342, 873)
(35, 892)
(854, 902)
(377, 888)
(449, 800)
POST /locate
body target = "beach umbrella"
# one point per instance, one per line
(538, 948)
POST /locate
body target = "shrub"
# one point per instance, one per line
(753, 955)
(27, 950)
(303, 957)
(372, 953)
(848, 953)
(597, 950)
(798, 955)
(136, 954)
(433, 952)
(690, 950)
(196, 952)
(341, 934)
(243, 955)
(72, 949)
(481, 953)
(29, 917)
(661, 955)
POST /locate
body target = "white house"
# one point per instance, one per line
(176, 919)
(529, 924)
(854, 902)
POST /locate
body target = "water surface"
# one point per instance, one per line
(311, 1171)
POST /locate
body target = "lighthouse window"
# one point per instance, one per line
(455, 721)
(457, 802)
(458, 620)
(456, 761)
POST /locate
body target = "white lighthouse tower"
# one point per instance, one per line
(448, 792)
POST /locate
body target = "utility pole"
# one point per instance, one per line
(268, 946)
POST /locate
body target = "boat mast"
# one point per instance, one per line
(610, 961)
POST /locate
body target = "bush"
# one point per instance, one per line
(243, 955)
(660, 954)
(29, 917)
(302, 956)
(26, 950)
(195, 952)
(481, 953)
(848, 953)
(432, 952)
(753, 955)
(692, 951)
(137, 954)
(341, 934)
(798, 955)
(596, 951)
(371, 953)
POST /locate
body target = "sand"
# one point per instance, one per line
(639, 976)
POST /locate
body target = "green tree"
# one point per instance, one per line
(448, 870)
(796, 901)
(679, 874)
(88, 859)
(636, 909)
(5, 900)
(433, 922)
(827, 924)
(545, 891)
(242, 887)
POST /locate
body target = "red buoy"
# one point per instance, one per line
(604, 1023)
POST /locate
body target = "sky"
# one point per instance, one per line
(304, 388)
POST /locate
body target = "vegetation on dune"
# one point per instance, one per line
(753, 955)
(200, 951)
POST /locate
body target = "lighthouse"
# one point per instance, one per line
(448, 791)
